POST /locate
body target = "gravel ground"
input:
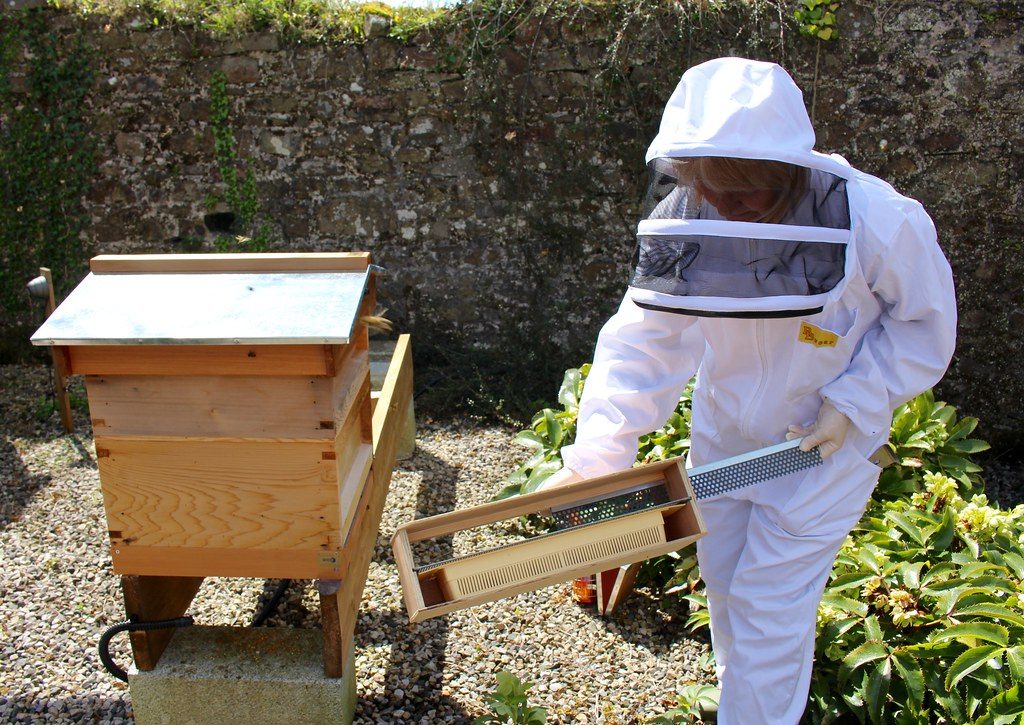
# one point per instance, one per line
(58, 594)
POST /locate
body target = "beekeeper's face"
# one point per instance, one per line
(739, 205)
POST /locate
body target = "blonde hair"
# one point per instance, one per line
(728, 174)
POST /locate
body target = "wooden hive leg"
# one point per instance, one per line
(339, 600)
(149, 598)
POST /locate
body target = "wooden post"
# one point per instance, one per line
(59, 364)
(149, 598)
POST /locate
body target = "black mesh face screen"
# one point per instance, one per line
(728, 189)
(740, 229)
(712, 266)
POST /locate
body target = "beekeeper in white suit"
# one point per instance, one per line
(810, 299)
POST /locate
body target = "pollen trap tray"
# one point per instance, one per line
(599, 524)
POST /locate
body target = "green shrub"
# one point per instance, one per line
(925, 436)
(508, 704)
(923, 616)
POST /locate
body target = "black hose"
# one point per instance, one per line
(262, 616)
(271, 606)
(131, 626)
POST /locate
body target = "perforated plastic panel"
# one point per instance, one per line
(611, 507)
(735, 473)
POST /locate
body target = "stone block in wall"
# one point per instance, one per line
(241, 69)
(281, 144)
(131, 145)
(253, 43)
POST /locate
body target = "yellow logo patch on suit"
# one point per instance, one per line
(814, 335)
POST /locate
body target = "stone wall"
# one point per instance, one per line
(501, 195)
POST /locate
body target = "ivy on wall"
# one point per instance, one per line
(240, 194)
(47, 160)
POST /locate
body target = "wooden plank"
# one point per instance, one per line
(330, 623)
(367, 307)
(60, 368)
(395, 396)
(360, 544)
(682, 525)
(250, 360)
(171, 561)
(149, 598)
(537, 502)
(641, 554)
(354, 475)
(350, 385)
(274, 262)
(413, 596)
(219, 493)
(622, 585)
(203, 405)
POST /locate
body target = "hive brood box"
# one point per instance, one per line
(230, 399)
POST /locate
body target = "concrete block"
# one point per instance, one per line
(237, 674)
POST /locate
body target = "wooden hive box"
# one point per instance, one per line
(230, 402)
(431, 589)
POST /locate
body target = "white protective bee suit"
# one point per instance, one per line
(848, 300)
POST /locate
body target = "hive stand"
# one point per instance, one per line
(234, 426)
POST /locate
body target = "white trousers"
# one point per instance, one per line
(765, 561)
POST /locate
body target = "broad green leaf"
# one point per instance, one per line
(933, 650)
(872, 630)
(508, 491)
(853, 606)
(541, 474)
(963, 428)
(867, 652)
(877, 690)
(529, 438)
(836, 629)
(907, 526)
(969, 445)
(554, 428)
(912, 676)
(1008, 705)
(567, 391)
(968, 662)
(1015, 662)
(1015, 562)
(910, 572)
(945, 532)
(992, 611)
(967, 632)
(848, 581)
(937, 572)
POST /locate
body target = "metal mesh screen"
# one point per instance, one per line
(732, 477)
(611, 507)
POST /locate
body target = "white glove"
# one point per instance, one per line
(561, 477)
(828, 432)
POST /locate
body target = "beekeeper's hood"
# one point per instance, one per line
(742, 217)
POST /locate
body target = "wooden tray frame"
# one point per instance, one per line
(424, 599)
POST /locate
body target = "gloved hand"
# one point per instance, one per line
(561, 477)
(828, 432)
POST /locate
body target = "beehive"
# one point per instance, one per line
(230, 402)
